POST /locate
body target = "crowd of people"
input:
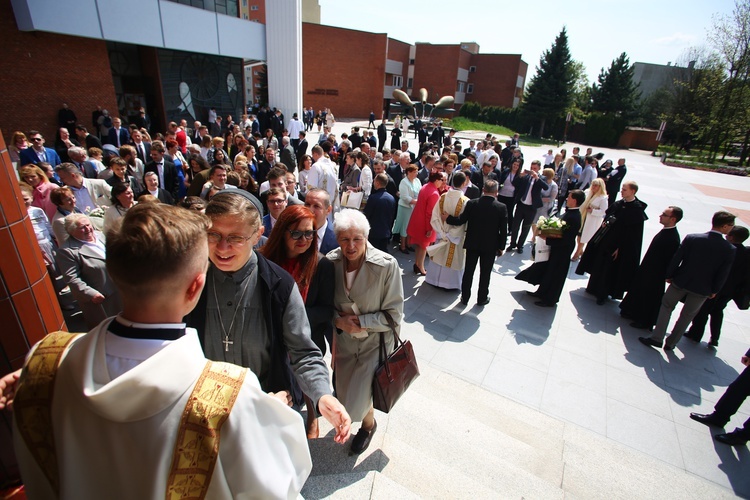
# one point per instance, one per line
(277, 250)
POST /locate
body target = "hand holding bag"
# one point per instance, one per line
(395, 372)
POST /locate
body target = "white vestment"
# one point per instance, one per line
(447, 253)
(115, 438)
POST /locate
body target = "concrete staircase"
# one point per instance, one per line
(448, 438)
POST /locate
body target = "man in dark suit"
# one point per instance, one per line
(423, 134)
(698, 271)
(529, 189)
(164, 168)
(355, 138)
(319, 202)
(551, 274)
(405, 150)
(614, 178)
(486, 231)
(438, 134)
(397, 171)
(735, 287)
(478, 178)
(78, 157)
(266, 165)
(37, 152)
(87, 140)
(301, 147)
(728, 405)
(378, 167)
(142, 149)
(118, 135)
(379, 211)
(382, 135)
(288, 156)
(151, 180)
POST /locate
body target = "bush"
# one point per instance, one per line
(604, 130)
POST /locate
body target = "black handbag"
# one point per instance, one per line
(395, 372)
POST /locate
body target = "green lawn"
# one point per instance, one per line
(460, 123)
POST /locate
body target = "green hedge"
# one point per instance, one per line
(603, 130)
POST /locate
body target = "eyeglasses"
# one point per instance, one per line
(276, 202)
(299, 234)
(232, 239)
(36, 139)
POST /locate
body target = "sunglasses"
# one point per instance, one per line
(299, 234)
(36, 139)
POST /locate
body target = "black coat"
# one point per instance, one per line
(171, 180)
(552, 274)
(487, 224)
(610, 276)
(382, 134)
(319, 303)
(643, 299)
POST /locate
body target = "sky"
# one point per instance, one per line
(652, 31)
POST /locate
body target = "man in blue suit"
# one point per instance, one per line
(528, 199)
(319, 202)
(698, 271)
(118, 135)
(37, 152)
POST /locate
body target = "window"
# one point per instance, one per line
(257, 85)
(397, 80)
(253, 7)
(472, 69)
(461, 87)
(470, 88)
(256, 73)
(411, 61)
(244, 3)
(409, 83)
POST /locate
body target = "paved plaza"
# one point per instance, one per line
(605, 415)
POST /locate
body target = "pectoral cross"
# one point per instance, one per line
(227, 343)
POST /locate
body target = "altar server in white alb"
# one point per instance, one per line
(134, 409)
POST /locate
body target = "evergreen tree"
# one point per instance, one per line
(551, 89)
(616, 93)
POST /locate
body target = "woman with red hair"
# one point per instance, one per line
(293, 246)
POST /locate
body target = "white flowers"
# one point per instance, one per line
(97, 212)
(550, 223)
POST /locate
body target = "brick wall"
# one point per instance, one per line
(436, 68)
(43, 70)
(351, 86)
(495, 78)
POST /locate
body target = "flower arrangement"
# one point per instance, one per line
(98, 212)
(551, 227)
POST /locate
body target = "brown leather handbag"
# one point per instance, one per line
(395, 372)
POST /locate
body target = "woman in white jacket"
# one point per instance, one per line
(592, 214)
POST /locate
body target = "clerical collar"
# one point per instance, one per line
(572, 208)
(156, 331)
(239, 275)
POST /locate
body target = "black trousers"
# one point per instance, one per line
(715, 309)
(380, 243)
(733, 398)
(522, 220)
(510, 203)
(486, 260)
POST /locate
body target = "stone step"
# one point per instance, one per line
(448, 438)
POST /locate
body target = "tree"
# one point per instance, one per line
(616, 93)
(550, 91)
(262, 91)
(581, 92)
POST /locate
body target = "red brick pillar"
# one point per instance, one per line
(28, 302)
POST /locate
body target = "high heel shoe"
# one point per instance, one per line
(418, 271)
(404, 250)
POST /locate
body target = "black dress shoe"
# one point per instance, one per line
(510, 247)
(483, 302)
(731, 438)
(362, 440)
(668, 347)
(692, 337)
(713, 343)
(710, 419)
(639, 326)
(464, 300)
(542, 303)
(649, 342)
(519, 250)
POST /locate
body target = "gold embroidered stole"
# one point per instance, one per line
(33, 403)
(197, 446)
(456, 213)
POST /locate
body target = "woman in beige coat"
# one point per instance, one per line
(368, 285)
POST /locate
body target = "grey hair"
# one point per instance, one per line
(351, 220)
(71, 222)
(76, 150)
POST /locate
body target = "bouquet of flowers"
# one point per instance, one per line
(551, 227)
(97, 213)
